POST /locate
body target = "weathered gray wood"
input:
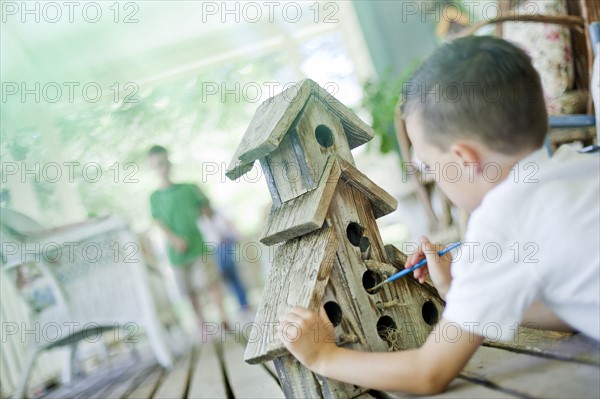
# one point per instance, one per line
(364, 395)
(270, 182)
(116, 383)
(175, 383)
(298, 276)
(459, 389)
(317, 116)
(128, 384)
(396, 257)
(100, 380)
(385, 269)
(276, 115)
(382, 202)
(359, 313)
(207, 379)
(354, 256)
(409, 295)
(288, 168)
(148, 386)
(534, 376)
(296, 380)
(270, 123)
(463, 389)
(248, 381)
(304, 214)
(357, 131)
(271, 368)
(566, 346)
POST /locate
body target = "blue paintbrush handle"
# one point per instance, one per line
(420, 264)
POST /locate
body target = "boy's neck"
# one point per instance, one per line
(166, 183)
(503, 164)
(508, 162)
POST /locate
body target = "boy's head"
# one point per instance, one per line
(475, 100)
(158, 157)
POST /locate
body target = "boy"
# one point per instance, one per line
(540, 215)
(176, 209)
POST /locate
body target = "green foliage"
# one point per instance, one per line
(381, 99)
(178, 114)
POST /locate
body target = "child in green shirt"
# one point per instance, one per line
(176, 208)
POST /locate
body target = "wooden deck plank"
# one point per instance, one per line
(271, 368)
(121, 389)
(248, 381)
(534, 376)
(364, 395)
(207, 379)
(120, 376)
(99, 390)
(463, 389)
(458, 389)
(492, 373)
(566, 346)
(175, 383)
(85, 387)
(147, 386)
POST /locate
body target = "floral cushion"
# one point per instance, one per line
(549, 46)
(595, 89)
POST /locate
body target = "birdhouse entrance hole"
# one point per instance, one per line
(364, 244)
(334, 312)
(429, 313)
(354, 232)
(370, 279)
(388, 331)
(324, 136)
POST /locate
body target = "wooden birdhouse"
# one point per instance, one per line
(330, 251)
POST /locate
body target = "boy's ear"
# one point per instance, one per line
(467, 154)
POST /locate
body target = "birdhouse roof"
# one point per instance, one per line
(306, 213)
(276, 115)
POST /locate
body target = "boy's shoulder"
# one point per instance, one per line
(540, 186)
(539, 175)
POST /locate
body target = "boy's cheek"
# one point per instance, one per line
(461, 193)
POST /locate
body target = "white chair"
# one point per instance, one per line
(94, 281)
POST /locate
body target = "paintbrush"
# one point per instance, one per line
(412, 269)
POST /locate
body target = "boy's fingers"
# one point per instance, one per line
(300, 311)
(420, 272)
(414, 258)
(427, 246)
(323, 315)
(291, 318)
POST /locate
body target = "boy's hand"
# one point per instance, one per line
(308, 336)
(438, 267)
(179, 244)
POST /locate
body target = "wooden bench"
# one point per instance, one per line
(538, 364)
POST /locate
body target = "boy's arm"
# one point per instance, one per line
(178, 243)
(422, 371)
(203, 202)
(541, 317)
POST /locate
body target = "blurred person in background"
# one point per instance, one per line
(176, 208)
(217, 229)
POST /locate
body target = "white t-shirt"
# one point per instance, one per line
(535, 236)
